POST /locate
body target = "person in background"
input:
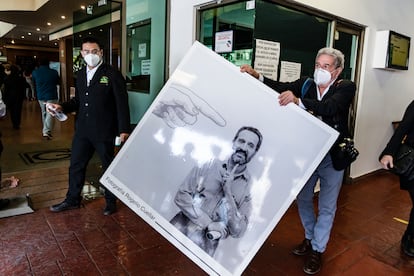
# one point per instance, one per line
(30, 90)
(46, 81)
(404, 131)
(10, 182)
(14, 92)
(102, 114)
(329, 98)
(4, 202)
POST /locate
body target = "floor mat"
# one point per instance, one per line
(17, 206)
(23, 157)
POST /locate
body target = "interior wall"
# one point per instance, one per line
(383, 95)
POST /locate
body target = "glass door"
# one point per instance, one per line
(348, 41)
(228, 30)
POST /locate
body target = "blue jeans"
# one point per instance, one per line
(318, 226)
(47, 119)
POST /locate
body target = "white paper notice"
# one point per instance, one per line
(224, 42)
(289, 71)
(266, 59)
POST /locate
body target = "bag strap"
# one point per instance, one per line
(305, 86)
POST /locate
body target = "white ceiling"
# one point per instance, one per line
(18, 18)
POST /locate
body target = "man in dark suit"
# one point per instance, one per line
(328, 98)
(102, 113)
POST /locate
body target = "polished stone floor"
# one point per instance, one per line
(365, 238)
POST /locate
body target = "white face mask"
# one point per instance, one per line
(321, 76)
(92, 59)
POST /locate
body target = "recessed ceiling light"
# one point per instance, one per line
(63, 17)
(38, 29)
(83, 7)
(22, 36)
(12, 41)
(49, 24)
(29, 33)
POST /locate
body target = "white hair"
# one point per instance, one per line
(339, 57)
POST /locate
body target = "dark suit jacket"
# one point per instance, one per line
(404, 131)
(333, 109)
(102, 110)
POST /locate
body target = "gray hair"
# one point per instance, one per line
(339, 57)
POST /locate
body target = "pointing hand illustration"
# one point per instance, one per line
(180, 107)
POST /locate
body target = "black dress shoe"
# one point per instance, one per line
(110, 208)
(63, 206)
(313, 263)
(303, 249)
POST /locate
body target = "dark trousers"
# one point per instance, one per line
(410, 227)
(82, 152)
(15, 111)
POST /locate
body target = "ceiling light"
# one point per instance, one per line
(63, 17)
(22, 36)
(83, 7)
(38, 29)
(29, 33)
(12, 41)
(49, 24)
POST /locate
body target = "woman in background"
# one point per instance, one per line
(404, 132)
(14, 93)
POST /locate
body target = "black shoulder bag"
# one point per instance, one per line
(343, 152)
(404, 162)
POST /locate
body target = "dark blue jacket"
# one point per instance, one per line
(45, 80)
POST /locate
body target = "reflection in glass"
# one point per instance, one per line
(139, 56)
(236, 18)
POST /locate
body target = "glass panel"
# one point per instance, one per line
(237, 18)
(301, 35)
(103, 22)
(139, 56)
(348, 44)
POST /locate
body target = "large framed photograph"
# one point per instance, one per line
(216, 161)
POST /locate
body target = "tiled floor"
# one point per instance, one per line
(365, 238)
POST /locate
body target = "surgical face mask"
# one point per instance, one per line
(92, 59)
(321, 76)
